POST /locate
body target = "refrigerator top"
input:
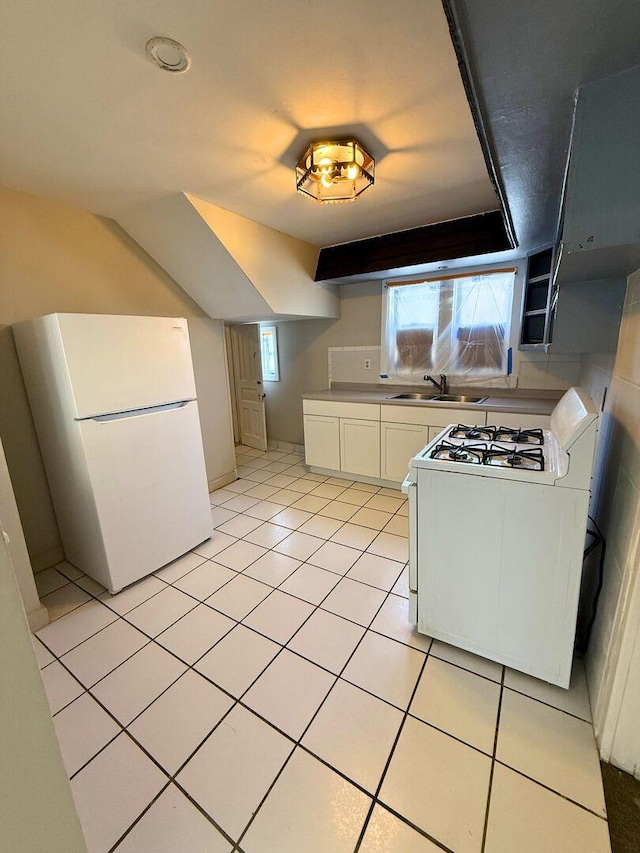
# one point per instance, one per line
(118, 363)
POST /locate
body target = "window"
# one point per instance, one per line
(460, 326)
(269, 352)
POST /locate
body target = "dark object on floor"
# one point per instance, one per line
(622, 795)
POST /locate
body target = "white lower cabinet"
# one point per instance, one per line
(360, 447)
(378, 441)
(399, 443)
(322, 441)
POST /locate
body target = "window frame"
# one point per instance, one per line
(509, 381)
(273, 376)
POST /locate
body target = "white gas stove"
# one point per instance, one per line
(497, 521)
(495, 451)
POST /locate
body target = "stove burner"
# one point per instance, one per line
(481, 432)
(519, 436)
(508, 457)
(469, 453)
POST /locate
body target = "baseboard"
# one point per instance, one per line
(46, 559)
(286, 446)
(38, 618)
(356, 478)
(223, 480)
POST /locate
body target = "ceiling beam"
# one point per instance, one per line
(444, 241)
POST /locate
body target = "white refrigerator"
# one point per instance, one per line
(114, 404)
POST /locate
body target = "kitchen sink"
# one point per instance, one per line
(414, 396)
(457, 398)
(437, 398)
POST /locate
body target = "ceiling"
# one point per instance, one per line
(87, 119)
(527, 60)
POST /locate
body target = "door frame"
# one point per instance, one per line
(231, 371)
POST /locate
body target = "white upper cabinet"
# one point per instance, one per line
(601, 230)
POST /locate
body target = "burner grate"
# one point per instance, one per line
(526, 458)
(472, 454)
(473, 432)
(519, 436)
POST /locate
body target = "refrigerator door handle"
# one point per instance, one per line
(134, 413)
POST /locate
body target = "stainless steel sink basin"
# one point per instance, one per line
(437, 398)
(457, 398)
(414, 396)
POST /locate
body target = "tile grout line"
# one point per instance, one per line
(153, 639)
(552, 790)
(238, 701)
(376, 797)
(285, 645)
(485, 825)
(306, 728)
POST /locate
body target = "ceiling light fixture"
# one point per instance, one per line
(333, 172)
(168, 54)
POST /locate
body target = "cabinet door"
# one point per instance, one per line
(360, 447)
(322, 441)
(399, 444)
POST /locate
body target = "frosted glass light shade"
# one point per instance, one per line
(334, 172)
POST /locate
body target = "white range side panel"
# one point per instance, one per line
(147, 477)
(119, 363)
(499, 568)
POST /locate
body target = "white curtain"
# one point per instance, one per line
(458, 326)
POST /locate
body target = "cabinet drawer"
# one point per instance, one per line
(362, 411)
(407, 414)
(360, 447)
(322, 442)
(433, 415)
(513, 419)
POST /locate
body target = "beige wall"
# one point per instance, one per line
(304, 359)
(37, 614)
(616, 503)
(58, 258)
(303, 352)
(37, 811)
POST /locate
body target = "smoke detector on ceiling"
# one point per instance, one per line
(168, 54)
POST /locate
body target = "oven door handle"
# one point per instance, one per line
(410, 489)
(407, 483)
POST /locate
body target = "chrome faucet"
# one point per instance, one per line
(441, 386)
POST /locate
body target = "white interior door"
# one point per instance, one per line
(245, 341)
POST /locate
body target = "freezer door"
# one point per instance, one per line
(149, 485)
(116, 364)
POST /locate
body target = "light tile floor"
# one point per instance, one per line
(266, 693)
